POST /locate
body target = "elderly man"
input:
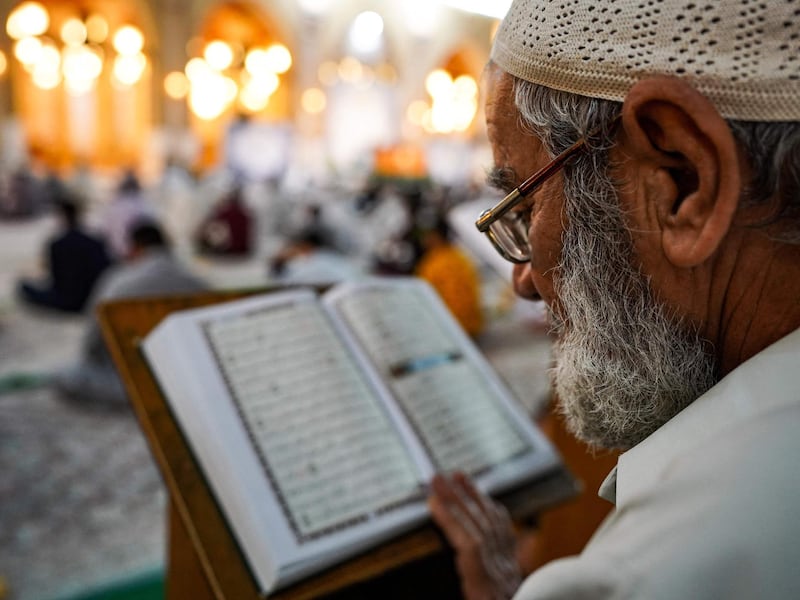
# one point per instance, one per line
(664, 241)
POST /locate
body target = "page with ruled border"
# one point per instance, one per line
(464, 416)
(295, 439)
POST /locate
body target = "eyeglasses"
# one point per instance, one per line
(507, 229)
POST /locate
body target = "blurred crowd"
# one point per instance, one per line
(130, 239)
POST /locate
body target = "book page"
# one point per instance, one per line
(325, 442)
(441, 384)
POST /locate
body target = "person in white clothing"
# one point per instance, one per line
(661, 228)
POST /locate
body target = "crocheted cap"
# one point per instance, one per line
(744, 55)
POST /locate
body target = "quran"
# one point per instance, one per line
(318, 419)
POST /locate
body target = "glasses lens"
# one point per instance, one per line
(510, 234)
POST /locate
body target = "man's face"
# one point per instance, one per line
(624, 364)
(518, 154)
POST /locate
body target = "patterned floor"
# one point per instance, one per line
(81, 502)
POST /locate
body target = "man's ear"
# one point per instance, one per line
(693, 173)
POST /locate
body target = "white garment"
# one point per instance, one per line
(707, 506)
(93, 378)
(120, 216)
(321, 267)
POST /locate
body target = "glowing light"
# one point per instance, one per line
(128, 40)
(465, 86)
(279, 58)
(49, 59)
(3, 63)
(197, 69)
(128, 69)
(73, 32)
(79, 87)
(313, 101)
(438, 82)
(386, 72)
(81, 64)
(27, 50)
(229, 89)
(176, 85)
(256, 94)
(415, 112)
(350, 69)
(275, 59)
(454, 103)
(46, 80)
(96, 29)
(45, 73)
(211, 93)
(328, 73)
(28, 19)
(256, 61)
(219, 55)
(366, 33)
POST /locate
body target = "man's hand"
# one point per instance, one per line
(480, 532)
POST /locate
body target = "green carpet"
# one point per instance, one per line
(148, 586)
(12, 382)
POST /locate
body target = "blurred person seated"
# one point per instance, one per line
(228, 230)
(24, 195)
(149, 270)
(128, 207)
(75, 261)
(309, 260)
(453, 275)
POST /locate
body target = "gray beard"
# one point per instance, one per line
(623, 367)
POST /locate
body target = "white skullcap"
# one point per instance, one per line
(744, 55)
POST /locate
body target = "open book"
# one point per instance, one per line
(319, 420)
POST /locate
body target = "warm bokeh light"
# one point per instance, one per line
(47, 70)
(197, 68)
(96, 29)
(49, 59)
(275, 59)
(81, 64)
(366, 33)
(73, 32)
(438, 82)
(128, 40)
(28, 19)
(454, 103)
(256, 61)
(27, 50)
(350, 69)
(313, 101)
(3, 63)
(218, 55)
(386, 72)
(328, 73)
(465, 86)
(254, 98)
(209, 96)
(416, 112)
(47, 80)
(176, 85)
(79, 87)
(128, 69)
(278, 58)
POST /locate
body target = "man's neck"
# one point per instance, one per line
(761, 301)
